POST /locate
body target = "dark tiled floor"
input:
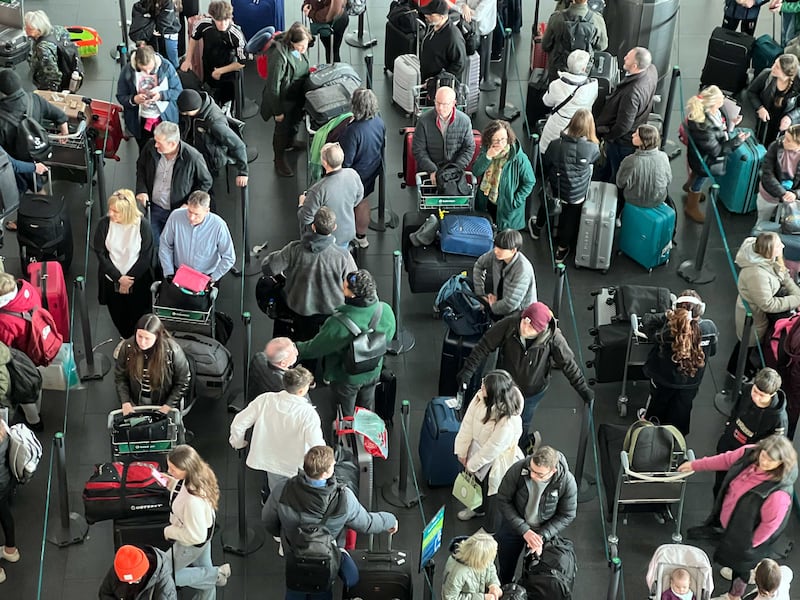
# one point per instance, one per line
(75, 572)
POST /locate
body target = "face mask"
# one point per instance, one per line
(296, 53)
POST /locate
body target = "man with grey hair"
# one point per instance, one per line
(340, 189)
(626, 109)
(167, 171)
(267, 368)
(576, 28)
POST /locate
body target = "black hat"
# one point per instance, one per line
(9, 82)
(435, 7)
(189, 100)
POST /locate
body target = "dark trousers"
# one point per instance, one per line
(349, 395)
(748, 26)
(190, 9)
(287, 129)
(615, 152)
(6, 518)
(338, 29)
(126, 309)
(509, 546)
(568, 225)
(671, 406)
(750, 369)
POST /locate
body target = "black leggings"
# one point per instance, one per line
(339, 28)
(671, 406)
(6, 518)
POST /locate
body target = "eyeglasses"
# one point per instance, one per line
(540, 474)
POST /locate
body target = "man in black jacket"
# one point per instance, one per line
(139, 573)
(442, 47)
(537, 499)
(529, 345)
(626, 109)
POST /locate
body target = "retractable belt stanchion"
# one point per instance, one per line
(369, 60)
(238, 538)
(93, 365)
(386, 218)
(561, 271)
(70, 528)
(244, 107)
(502, 110)
(615, 566)
(120, 53)
(672, 149)
(397, 493)
(403, 340)
(356, 38)
(248, 266)
(725, 400)
(694, 270)
(586, 491)
(99, 167)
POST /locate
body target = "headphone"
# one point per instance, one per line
(690, 300)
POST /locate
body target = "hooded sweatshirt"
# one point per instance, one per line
(462, 582)
(157, 584)
(209, 132)
(750, 424)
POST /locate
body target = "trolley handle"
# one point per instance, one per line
(57, 137)
(665, 478)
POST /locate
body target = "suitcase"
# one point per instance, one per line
(399, 42)
(106, 127)
(142, 531)
(538, 55)
(605, 69)
(386, 396)
(640, 300)
(44, 231)
(145, 435)
(551, 575)
(727, 60)
(596, 232)
(466, 234)
(383, 574)
(610, 348)
(330, 101)
(646, 234)
(181, 311)
(14, 46)
(738, 187)
(119, 490)
(362, 470)
(604, 307)
(535, 109)
(48, 279)
(326, 75)
(439, 427)
(765, 51)
(472, 78)
(404, 77)
(213, 363)
(455, 350)
(78, 108)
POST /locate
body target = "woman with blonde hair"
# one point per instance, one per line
(194, 493)
(123, 243)
(470, 571)
(709, 129)
(774, 94)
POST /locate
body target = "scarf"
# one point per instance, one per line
(490, 184)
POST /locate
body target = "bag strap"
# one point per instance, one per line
(570, 97)
(334, 500)
(28, 316)
(352, 327)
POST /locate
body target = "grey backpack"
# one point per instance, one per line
(367, 347)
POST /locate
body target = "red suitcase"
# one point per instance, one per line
(106, 122)
(409, 173)
(48, 279)
(538, 55)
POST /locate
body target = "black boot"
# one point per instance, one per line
(282, 168)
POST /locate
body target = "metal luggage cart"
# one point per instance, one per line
(196, 315)
(423, 103)
(71, 159)
(635, 357)
(126, 447)
(429, 199)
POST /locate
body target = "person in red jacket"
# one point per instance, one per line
(16, 296)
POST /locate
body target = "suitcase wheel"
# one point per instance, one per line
(592, 381)
(593, 332)
(590, 364)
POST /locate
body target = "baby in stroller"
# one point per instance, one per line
(681, 572)
(680, 586)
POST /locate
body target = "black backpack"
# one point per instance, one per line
(9, 192)
(366, 350)
(472, 41)
(552, 575)
(581, 32)
(651, 448)
(69, 60)
(32, 139)
(313, 557)
(26, 380)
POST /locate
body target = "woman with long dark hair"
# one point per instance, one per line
(151, 368)
(487, 441)
(773, 93)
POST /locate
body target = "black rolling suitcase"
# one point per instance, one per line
(386, 396)
(535, 109)
(141, 531)
(605, 69)
(610, 348)
(455, 350)
(727, 60)
(401, 33)
(330, 101)
(383, 575)
(14, 46)
(213, 363)
(44, 230)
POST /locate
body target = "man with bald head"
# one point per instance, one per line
(443, 136)
(268, 367)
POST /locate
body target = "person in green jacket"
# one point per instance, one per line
(283, 96)
(508, 177)
(470, 571)
(334, 339)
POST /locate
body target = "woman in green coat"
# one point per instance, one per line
(508, 177)
(284, 92)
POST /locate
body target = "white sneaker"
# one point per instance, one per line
(223, 573)
(361, 242)
(618, 222)
(12, 558)
(727, 574)
(2, 575)
(467, 514)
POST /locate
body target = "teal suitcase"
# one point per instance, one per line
(765, 51)
(738, 187)
(646, 234)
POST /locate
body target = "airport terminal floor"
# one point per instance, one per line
(75, 572)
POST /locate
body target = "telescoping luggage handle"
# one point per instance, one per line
(383, 555)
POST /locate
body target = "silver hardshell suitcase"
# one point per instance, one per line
(405, 76)
(596, 233)
(472, 78)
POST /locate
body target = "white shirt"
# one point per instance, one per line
(124, 243)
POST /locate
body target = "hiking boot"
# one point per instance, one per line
(534, 229)
(282, 168)
(692, 207)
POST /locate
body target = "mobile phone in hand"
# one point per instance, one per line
(159, 477)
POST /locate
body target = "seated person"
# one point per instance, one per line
(680, 586)
(151, 368)
(433, 149)
(645, 175)
(513, 280)
(442, 47)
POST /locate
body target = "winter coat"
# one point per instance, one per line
(519, 282)
(334, 339)
(586, 90)
(659, 365)
(432, 151)
(264, 376)
(43, 61)
(765, 286)
(190, 173)
(644, 177)
(15, 105)
(734, 10)
(713, 142)
(461, 582)
(442, 50)
(568, 164)
(5, 378)
(340, 190)
(628, 107)
(557, 505)
(107, 274)
(749, 424)
(315, 268)
(191, 517)
(177, 378)
(529, 365)
(126, 90)
(556, 40)
(297, 501)
(363, 143)
(158, 582)
(14, 329)
(516, 183)
(771, 173)
(762, 91)
(495, 442)
(325, 11)
(286, 77)
(208, 131)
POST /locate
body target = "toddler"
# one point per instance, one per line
(772, 581)
(680, 586)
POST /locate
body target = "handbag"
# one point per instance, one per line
(467, 490)
(790, 221)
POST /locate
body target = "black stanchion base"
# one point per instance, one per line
(74, 533)
(489, 85)
(249, 109)
(723, 402)
(586, 492)
(98, 370)
(252, 153)
(390, 221)
(692, 274)
(357, 41)
(392, 494)
(405, 341)
(233, 542)
(509, 112)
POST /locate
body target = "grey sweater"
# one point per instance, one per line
(433, 151)
(341, 191)
(519, 282)
(315, 268)
(644, 177)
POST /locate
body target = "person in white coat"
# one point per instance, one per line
(285, 426)
(573, 90)
(484, 14)
(486, 443)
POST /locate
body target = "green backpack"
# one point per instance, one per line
(651, 447)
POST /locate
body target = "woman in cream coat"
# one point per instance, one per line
(486, 443)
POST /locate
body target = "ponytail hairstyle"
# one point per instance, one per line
(503, 398)
(200, 477)
(697, 106)
(685, 332)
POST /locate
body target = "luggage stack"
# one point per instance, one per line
(401, 33)
(14, 43)
(44, 229)
(328, 92)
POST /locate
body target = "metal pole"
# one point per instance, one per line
(615, 564)
(725, 400)
(403, 340)
(71, 527)
(99, 166)
(586, 491)
(396, 492)
(120, 53)
(369, 59)
(243, 107)
(561, 271)
(694, 271)
(356, 38)
(502, 110)
(93, 365)
(674, 149)
(430, 568)
(247, 343)
(386, 218)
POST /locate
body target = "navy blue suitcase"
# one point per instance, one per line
(738, 187)
(646, 234)
(436, 443)
(466, 235)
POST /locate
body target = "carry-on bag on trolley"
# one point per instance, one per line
(120, 490)
(213, 363)
(48, 279)
(330, 101)
(409, 172)
(146, 434)
(469, 235)
(431, 199)
(738, 187)
(646, 234)
(181, 310)
(727, 60)
(596, 232)
(44, 230)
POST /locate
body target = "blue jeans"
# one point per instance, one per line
(698, 183)
(194, 569)
(348, 573)
(171, 46)
(158, 219)
(531, 402)
(615, 152)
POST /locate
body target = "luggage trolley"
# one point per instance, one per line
(184, 311)
(71, 158)
(636, 354)
(145, 435)
(429, 198)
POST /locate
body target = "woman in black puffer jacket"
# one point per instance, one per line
(773, 93)
(568, 163)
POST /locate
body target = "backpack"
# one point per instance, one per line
(451, 180)
(69, 60)
(650, 447)
(42, 340)
(32, 138)
(581, 32)
(460, 308)
(24, 452)
(443, 78)
(472, 41)
(552, 575)
(313, 557)
(143, 24)
(366, 350)
(26, 380)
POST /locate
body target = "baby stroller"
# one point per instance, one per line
(669, 557)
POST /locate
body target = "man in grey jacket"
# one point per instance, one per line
(574, 28)
(513, 280)
(340, 189)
